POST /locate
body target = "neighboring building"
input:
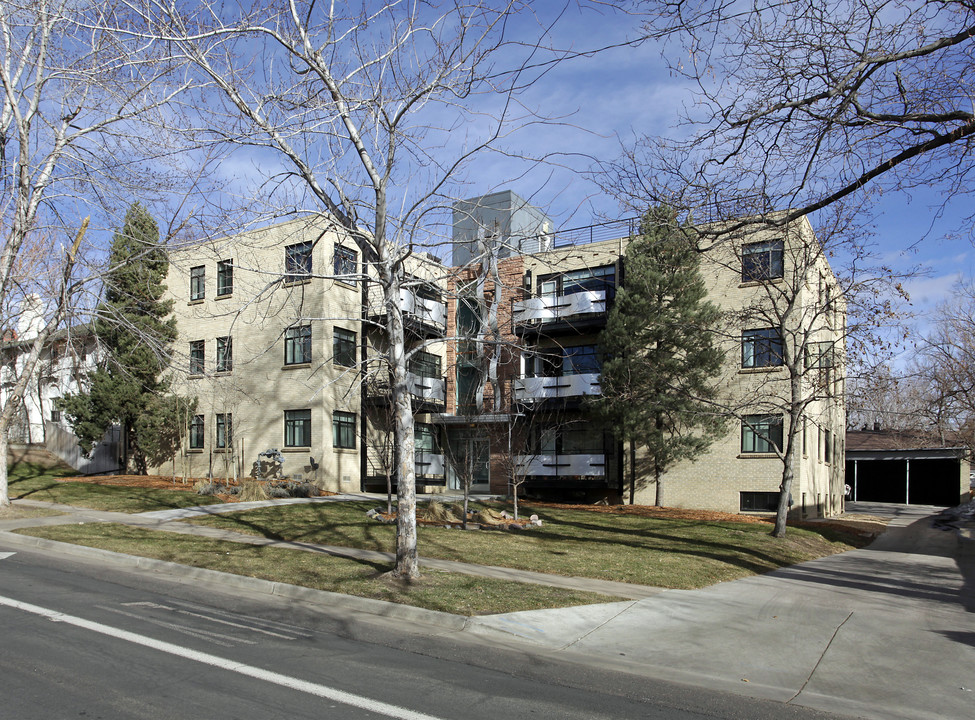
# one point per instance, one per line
(907, 467)
(65, 361)
(282, 342)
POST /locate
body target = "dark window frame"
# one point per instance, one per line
(758, 501)
(225, 278)
(224, 430)
(198, 357)
(344, 347)
(345, 264)
(761, 261)
(197, 433)
(198, 282)
(298, 261)
(225, 354)
(343, 430)
(761, 434)
(570, 282)
(766, 348)
(297, 428)
(426, 365)
(297, 345)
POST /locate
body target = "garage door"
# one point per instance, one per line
(932, 481)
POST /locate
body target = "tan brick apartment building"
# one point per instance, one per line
(287, 354)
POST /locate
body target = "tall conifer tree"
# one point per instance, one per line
(136, 334)
(660, 352)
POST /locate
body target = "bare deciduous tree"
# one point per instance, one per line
(349, 108)
(798, 104)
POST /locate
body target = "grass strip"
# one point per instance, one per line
(667, 552)
(35, 483)
(18, 512)
(447, 592)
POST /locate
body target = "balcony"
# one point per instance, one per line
(421, 316)
(429, 465)
(560, 465)
(429, 393)
(575, 312)
(537, 390)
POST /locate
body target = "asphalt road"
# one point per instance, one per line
(82, 640)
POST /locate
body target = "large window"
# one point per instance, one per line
(761, 348)
(761, 433)
(819, 355)
(196, 433)
(343, 429)
(198, 282)
(573, 360)
(225, 354)
(425, 365)
(577, 281)
(344, 264)
(343, 347)
(297, 261)
(225, 277)
(197, 357)
(225, 430)
(425, 438)
(575, 439)
(297, 428)
(762, 261)
(297, 345)
(759, 501)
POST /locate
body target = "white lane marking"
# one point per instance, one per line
(5, 555)
(322, 691)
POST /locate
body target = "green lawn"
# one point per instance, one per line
(36, 483)
(648, 551)
(448, 592)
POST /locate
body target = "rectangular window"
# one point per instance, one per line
(577, 281)
(197, 357)
(425, 365)
(297, 261)
(225, 430)
(55, 416)
(828, 449)
(297, 428)
(761, 348)
(762, 260)
(343, 429)
(819, 355)
(198, 282)
(468, 380)
(759, 501)
(196, 432)
(345, 264)
(297, 345)
(580, 360)
(761, 433)
(225, 277)
(225, 354)
(343, 347)
(425, 438)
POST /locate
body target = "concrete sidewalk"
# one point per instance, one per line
(883, 632)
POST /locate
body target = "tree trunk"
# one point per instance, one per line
(4, 492)
(632, 472)
(659, 498)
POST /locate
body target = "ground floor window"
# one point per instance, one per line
(761, 433)
(297, 428)
(196, 432)
(759, 501)
(343, 430)
(224, 430)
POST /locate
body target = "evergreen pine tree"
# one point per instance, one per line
(660, 356)
(136, 334)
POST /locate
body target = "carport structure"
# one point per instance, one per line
(906, 468)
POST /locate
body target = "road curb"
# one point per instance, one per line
(187, 573)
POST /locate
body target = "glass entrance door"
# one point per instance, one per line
(470, 460)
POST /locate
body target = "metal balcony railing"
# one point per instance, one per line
(556, 465)
(539, 389)
(558, 308)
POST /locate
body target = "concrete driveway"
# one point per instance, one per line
(883, 632)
